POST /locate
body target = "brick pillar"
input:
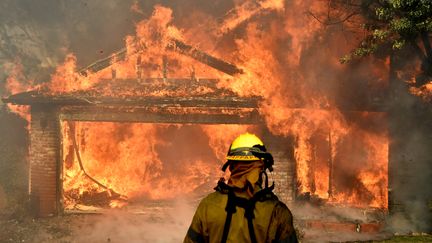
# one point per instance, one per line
(44, 161)
(283, 174)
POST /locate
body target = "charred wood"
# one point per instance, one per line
(207, 59)
(176, 45)
(121, 114)
(92, 197)
(330, 165)
(110, 191)
(32, 98)
(104, 63)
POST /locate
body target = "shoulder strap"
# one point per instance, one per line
(248, 205)
(251, 231)
(230, 209)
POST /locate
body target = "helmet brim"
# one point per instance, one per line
(242, 158)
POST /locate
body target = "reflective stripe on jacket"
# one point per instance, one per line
(272, 222)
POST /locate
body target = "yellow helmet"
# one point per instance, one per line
(248, 147)
(241, 147)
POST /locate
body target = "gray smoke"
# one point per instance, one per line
(169, 225)
(410, 166)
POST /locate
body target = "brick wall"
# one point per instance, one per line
(283, 176)
(44, 161)
(284, 166)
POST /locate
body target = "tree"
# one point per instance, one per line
(397, 24)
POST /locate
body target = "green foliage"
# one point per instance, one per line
(394, 23)
(398, 44)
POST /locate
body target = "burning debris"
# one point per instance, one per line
(151, 174)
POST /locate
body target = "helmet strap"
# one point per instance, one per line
(264, 173)
(225, 166)
(266, 181)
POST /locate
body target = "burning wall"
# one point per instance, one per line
(348, 166)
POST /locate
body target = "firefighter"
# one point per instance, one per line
(243, 209)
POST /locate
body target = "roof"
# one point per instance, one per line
(144, 92)
(148, 91)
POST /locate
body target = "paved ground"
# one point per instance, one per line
(116, 227)
(158, 223)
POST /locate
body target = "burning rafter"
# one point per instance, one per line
(176, 45)
(205, 58)
(149, 92)
(34, 97)
(183, 115)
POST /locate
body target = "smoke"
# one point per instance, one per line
(410, 164)
(155, 224)
(13, 162)
(3, 200)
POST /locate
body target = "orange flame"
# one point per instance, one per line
(246, 10)
(153, 165)
(15, 84)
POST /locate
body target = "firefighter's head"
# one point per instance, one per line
(248, 148)
(248, 161)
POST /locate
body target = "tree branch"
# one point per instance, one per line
(426, 58)
(328, 22)
(426, 44)
(418, 50)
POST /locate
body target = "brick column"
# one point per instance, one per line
(44, 161)
(284, 172)
(284, 177)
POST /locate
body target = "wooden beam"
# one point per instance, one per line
(163, 115)
(205, 58)
(219, 98)
(175, 45)
(104, 63)
(31, 98)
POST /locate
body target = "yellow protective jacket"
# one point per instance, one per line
(271, 219)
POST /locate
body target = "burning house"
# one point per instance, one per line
(68, 131)
(152, 123)
(100, 148)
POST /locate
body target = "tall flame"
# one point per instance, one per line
(338, 158)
